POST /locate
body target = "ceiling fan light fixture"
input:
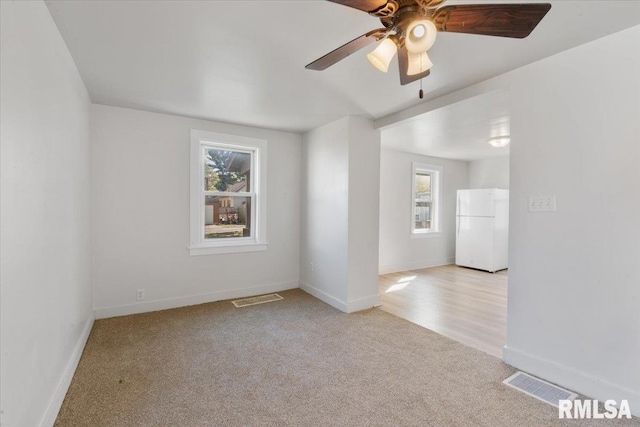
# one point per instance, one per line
(383, 54)
(421, 35)
(419, 31)
(418, 63)
(499, 141)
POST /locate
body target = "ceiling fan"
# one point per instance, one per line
(410, 28)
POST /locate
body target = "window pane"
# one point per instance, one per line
(423, 186)
(423, 216)
(226, 170)
(226, 217)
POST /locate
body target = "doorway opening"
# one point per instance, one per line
(444, 199)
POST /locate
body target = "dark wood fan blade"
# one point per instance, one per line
(403, 65)
(365, 5)
(345, 50)
(503, 20)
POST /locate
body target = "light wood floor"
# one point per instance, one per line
(466, 305)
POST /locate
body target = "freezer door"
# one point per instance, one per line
(474, 242)
(476, 202)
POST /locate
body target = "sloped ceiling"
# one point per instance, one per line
(243, 61)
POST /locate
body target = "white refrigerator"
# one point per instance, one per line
(482, 229)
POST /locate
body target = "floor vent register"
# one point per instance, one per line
(245, 302)
(539, 389)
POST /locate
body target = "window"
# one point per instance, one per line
(228, 207)
(425, 201)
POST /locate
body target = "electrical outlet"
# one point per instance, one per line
(311, 266)
(542, 204)
(139, 294)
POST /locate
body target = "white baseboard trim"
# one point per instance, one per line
(165, 304)
(417, 265)
(323, 296)
(364, 303)
(345, 307)
(570, 378)
(55, 403)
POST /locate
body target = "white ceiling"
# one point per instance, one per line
(243, 61)
(458, 131)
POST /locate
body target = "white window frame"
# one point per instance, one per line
(436, 199)
(200, 140)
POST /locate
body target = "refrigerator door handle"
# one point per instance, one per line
(458, 216)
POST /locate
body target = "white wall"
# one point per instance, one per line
(325, 212)
(399, 250)
(489, 173)
(574, 281)
(141, 216)
(341, 164)
(45, 208)
(574, 292)
(364, 210)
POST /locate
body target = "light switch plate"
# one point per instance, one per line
(542, 204)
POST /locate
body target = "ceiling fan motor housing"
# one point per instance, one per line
(406, 12)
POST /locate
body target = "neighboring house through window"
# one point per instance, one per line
(228, 201)
(425, 201)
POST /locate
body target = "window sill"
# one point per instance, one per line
(233, 248)
(426, 234)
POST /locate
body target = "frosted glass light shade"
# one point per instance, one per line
(421, 35)
(499, 141)
(418, 63)
(383, 54)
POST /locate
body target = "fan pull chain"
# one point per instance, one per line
(421, 93)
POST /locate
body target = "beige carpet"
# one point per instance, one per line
(296, 362)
